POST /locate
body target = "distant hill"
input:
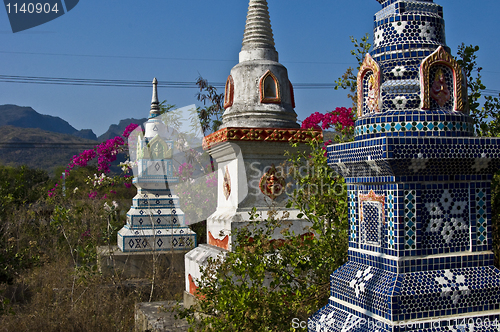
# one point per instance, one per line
(27, 117)
(117, 130)
(46, 142)
(38, 148)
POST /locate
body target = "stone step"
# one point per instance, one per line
(158, 317)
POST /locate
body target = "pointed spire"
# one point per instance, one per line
(258, 40)
(155, 105)
(258, 31)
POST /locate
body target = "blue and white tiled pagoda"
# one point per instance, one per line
(155, 221)
(420, 245)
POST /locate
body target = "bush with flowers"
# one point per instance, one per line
(264, 284)
(340, 119)
(100, 185)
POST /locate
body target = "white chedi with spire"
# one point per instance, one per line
(258, 93)
(155, 104)
(155, 221)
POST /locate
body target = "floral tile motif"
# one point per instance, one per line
(446, 219)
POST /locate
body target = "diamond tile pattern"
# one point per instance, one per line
(420, 259)
(155, 220)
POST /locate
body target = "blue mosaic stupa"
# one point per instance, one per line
(420, 245)
(155, 221)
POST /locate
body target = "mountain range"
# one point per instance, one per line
(28, 137)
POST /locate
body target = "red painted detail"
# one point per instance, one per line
(224, 243)
(229, 92)
(193, 289)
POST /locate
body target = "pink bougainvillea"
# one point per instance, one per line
(107, 153)
(340, 118)
(211, 180)
(185, 171)
(130, 128)
(312, 121)
(82, 159)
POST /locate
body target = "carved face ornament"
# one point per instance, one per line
(271, 184)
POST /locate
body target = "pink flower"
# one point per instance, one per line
(312, 121)
(130, 128)
(108, 152)
(211, 181)
(340, 117)
(93, 194)
(82, 159)
(185, 171)
(85, 234)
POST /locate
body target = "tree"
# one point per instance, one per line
(210, 116)
(349, 80)
(269, 285)
(266, 284)
(486, 117)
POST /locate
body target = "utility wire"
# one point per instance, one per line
(129, 83)
(147, 84)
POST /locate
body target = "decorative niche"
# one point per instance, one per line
(269, 89)
(368, 87)
(229, 92)
(441, 82)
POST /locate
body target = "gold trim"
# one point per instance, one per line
(368, 65)
(371, 197)
(166, 151)
(260, 134)
(440, 56)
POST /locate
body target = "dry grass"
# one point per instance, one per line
(46, 299)
(49, 283)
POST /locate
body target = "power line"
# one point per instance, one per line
(48, 145)
(147, 84)
(129, 83)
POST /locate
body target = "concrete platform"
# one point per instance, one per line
(157, 317)
(112, 261)
(189, 300)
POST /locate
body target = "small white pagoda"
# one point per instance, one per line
(155, 221)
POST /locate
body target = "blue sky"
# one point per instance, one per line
(180, 40)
